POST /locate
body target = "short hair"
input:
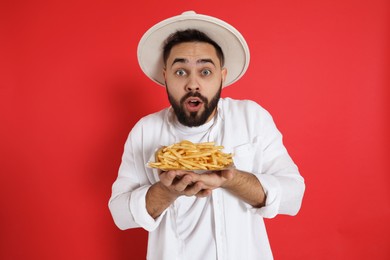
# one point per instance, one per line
(189, 35)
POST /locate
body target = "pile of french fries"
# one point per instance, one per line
(186, 155)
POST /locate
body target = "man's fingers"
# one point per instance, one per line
(203, 193)
(166, 178)
(193, 189)
(183, 183)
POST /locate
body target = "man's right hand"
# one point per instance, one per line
(172, 185)
(180, 183)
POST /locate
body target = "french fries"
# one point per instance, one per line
(186, 155)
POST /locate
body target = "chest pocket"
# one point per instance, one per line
(244, 157)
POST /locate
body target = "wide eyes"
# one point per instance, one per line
(203, 72)
(206, 72)
(181, 72)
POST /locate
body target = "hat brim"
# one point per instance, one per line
(232, 43)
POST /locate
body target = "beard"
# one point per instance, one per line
(197, 118)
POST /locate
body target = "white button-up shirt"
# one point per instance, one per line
(220, 226)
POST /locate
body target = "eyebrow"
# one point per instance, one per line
(201, 61)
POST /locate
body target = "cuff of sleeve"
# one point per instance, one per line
(140, 213)
(272, 191)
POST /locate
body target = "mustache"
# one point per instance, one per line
(193, 94)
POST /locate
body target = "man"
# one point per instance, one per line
(217, 214)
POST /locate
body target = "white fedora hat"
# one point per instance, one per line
(232, 43)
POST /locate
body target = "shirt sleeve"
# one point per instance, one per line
(278, 174)
(138, 209)
(127, 203)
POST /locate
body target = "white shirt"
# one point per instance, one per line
(220, 226)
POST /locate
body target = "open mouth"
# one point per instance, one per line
(193, 104)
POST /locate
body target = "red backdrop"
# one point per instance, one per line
(71, 90)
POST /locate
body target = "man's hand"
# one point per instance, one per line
(180, 183)
(173, 184)
(241, 184)
(213, 179)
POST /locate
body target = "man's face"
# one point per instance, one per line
(194, 78)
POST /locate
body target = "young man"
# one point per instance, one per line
(216, 214)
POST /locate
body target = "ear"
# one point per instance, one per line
(164, 74)
(224, 74)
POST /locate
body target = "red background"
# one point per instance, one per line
(71, 90)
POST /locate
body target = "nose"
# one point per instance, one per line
(192, 84)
